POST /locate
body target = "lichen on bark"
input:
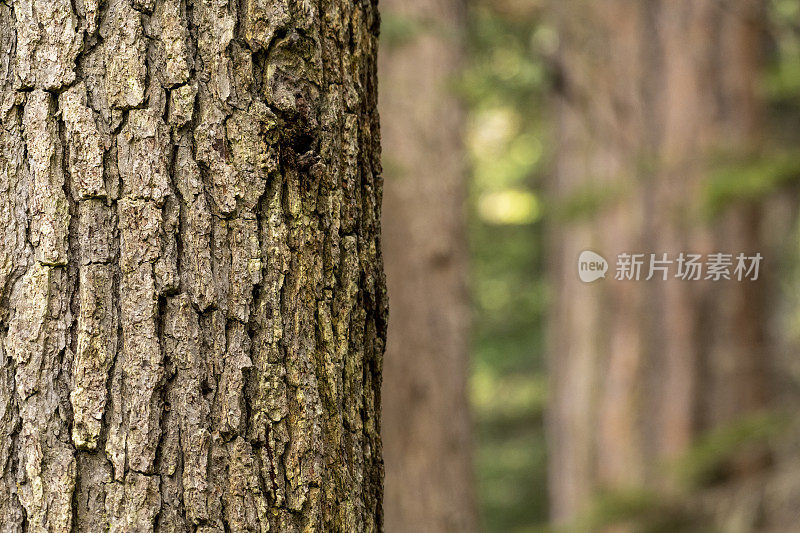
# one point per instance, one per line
(192, 308)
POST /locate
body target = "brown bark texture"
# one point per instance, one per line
(426, 423)
(192, 310)
(649, 93)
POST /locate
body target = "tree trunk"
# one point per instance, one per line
(427, 431)
(650, 91)
(192, 309)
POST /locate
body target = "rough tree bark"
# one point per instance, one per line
(426, 429)
(650, 90)
(192, 310)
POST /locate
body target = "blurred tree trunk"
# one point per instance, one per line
(192, 310)
(649, 93)
(426, 425)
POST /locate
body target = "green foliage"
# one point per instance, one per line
(642, 512)
(706, 463)
(782, 80)
(587, 202)
(752, 177)
(709, 459)
(504, 86)
(508, 380)
(398, 30)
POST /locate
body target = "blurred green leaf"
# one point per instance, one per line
(737, 178)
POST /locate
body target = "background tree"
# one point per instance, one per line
(426, 430)
(649, 94)
(192, 309)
